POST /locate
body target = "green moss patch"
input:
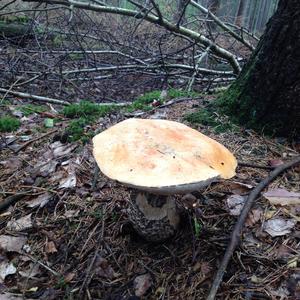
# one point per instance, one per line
(29, 109)
(9, 124)
(144, 102)
(207, 117)
(84, 113)
(87, 110)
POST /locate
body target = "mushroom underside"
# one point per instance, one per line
(154, 217)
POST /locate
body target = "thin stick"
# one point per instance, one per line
(34, 140)
(236, 234)
(12, 200)
(255, 166)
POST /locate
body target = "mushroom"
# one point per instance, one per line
(157, 159)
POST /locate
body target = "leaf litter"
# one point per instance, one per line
(49, 238)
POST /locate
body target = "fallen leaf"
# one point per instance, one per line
(240, 188)
(20, 224)
(254, 216)
(282, 197)
(71, 213)
(11, 165)
(69, 277)
(68, 182)
(6, 268)
(278, 226)
(141, 284)
(235, 204)
(62, 150)
(31, 271)
(50, 247)
(49, 167)
(292, 263)
(12, 243)
(282, 252)
(9, 296)
(49, 123)
(275, 162)
(203, 267)
(159, 115)
(103, 268)
(40, 201)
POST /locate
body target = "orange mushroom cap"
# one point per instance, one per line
(160, 156)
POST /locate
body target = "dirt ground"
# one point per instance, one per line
(67, 238)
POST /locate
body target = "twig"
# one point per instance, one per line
(35, 97)
(249, 165)
(235, 236)
(12, 200)
(34, 140)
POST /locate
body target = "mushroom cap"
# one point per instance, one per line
(161, 157)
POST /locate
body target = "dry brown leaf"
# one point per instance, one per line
(69, 277)
(103, 268)
(275, 162)
(12, 243)
(20, 224)
(238, 188)
(282, 252)
(40, 201)
(254, 216)
(50, 247)
(282, 197)
(141, 284)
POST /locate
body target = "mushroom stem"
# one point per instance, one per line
(154, 217)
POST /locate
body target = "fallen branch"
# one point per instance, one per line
(222, 25)
(158, 20)
(11, 200)
(255, 166)
(35, 97)
(34, 140)
(236, 233)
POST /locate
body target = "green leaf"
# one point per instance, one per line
(48, 123)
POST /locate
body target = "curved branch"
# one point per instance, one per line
(222, 25)
(197, 37)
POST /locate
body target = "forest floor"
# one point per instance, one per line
(65, 238)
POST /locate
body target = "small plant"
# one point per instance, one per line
(197, 227)
(8, 124)
(144, 102)
(76, 129)
(84, 114)
(87, 110)
(207, 117)
(31, 109)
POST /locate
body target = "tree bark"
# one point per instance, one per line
(266, 94)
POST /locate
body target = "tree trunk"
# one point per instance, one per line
(266, 94)
(240, 13)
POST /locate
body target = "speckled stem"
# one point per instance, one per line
(154, 217)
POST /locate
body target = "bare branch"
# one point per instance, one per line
(197, 37)
(222, 25)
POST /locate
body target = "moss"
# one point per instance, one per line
(29, 109)
(9, 124)
(76, 130)
(88, 110)
(14, 19)
(207, 117)
(84, 113)
(76, 56)
(144, 102)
